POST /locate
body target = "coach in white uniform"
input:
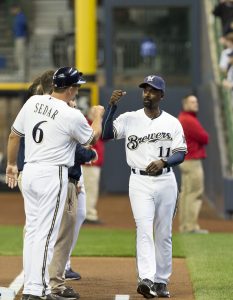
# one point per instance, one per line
(51, 129)
(154, 142)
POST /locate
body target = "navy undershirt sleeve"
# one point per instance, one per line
(176, 159)
(21, 154)
(107, 123)
(83, 155)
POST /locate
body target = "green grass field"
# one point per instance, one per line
(209, 257)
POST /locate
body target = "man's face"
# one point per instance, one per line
(191, 104)
(151, 97)
(14, 10)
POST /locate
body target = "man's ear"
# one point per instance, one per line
(162, 94)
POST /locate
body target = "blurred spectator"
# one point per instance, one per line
(228, 81)
(148, 52)
(91, 176)
(1, 162)
(224, 10)
(227, 43)
(192, 174)
(20, 31)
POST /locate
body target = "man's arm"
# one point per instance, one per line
(107, 124)
(12, 152)
(195, 130)
(83, 155)
(174, 160)
(96, 125)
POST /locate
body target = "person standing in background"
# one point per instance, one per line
(91, 176)
(20, 32)
(224, 11)
(192, 174)
(148, 51)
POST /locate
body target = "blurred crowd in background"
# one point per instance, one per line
(224, 11)
(49, 42)
(32, 41)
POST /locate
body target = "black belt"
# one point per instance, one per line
(160, 172)
(74, 181)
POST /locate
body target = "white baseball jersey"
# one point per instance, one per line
(148, 139)
(51, 129)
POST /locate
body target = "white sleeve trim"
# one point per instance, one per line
(115, 132)
(17, 132)
(180, 149)
(90, 139)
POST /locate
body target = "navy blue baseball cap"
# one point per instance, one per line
(66, 77)
(154, 81)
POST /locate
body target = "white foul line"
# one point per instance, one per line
(13, 289)
(122, 297)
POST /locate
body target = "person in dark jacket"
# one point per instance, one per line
(192, 174)
(73, 217)
(91, 176)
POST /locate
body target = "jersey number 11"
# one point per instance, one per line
(162, 151)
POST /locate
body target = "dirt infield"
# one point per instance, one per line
(103, 278)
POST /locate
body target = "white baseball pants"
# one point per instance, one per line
(153, 202)
(81, 216)
(44, 190)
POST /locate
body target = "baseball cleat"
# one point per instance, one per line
(71, 275)
(146, 288)
(93, 222)
(161, 290)
(68, 293)
(47, 297)
(25, 296)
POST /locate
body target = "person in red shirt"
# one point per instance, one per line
(91, 176)
(192, 174)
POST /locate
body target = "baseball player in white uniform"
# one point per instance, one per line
(51, 129)
(154, 142)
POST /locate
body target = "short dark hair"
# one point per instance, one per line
(34, 88)
(41, 85)
(60, 90)
(46, 81)
(185, 98)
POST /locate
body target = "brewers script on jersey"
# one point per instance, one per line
(51, 130)
(148, 140)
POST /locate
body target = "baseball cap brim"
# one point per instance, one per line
(81, 79)
(144, 84)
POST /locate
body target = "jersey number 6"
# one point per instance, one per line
(37, 133)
